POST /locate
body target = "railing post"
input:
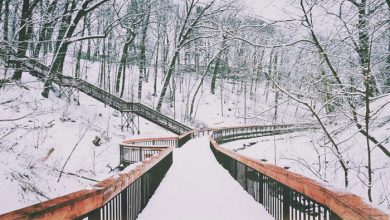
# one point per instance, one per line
(286, 202)
(140, 154)
(261, 188)
(94, 215)
(121, 153)
(124, 203)
(246, 177)
(333, 216)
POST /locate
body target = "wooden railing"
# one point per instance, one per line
(284, 194)
(135, 150)
(122, 196)
(41, 70)
(227, 134)
(163, 141)
(130, 154)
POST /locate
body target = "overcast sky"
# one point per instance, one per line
(271, 9)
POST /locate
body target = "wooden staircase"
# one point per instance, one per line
(41, 70)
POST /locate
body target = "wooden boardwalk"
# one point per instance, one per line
(69, 85)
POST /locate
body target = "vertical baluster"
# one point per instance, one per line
(333, 216)
(115, 211)
(245, 177)
(286, 202)
(305, 210)
(112, 208)
(94, 215)
(326, 212)
(296, 207)
(277, 194)
(270, 197)
(273, 197)
(261, 189)
(267, 195)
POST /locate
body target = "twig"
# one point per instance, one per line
(6, 102)
(15, 119)
(77, 175)
(74, 148)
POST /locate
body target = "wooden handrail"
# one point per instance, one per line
(145, 147)
(149, 139)
(79, 203)
(344, 204)
(186, 133)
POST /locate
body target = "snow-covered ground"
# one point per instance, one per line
(198, 187)
(301, 152)
(37, 135)
(35, 145)
(231, 105)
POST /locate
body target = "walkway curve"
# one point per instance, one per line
(113, 198)
(198, 187)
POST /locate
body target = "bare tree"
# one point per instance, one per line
(86, 7)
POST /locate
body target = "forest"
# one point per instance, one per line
(210, 63)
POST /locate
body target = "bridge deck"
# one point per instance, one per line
(197, 187)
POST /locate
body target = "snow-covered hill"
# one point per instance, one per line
(307, 153)
(37, 135)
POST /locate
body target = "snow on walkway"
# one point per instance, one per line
(198, 187)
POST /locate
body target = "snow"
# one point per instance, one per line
(228, 103)
(34, 149)
(300, 152)
(197, 187)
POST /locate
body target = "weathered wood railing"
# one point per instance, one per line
(162, 141)
(119, 197)
(135, 153)
(135, 150)
(227, 134)
(284, 194)
(122, 196)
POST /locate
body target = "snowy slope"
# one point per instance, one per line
(301, 152)
(37, 135)
(230, 105)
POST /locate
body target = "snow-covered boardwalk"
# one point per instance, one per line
(197, 187)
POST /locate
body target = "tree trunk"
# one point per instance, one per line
(387, 68)
(142, 66)
(167, 79)
(6, 20)
(65, 22)
(156, 60)
(182, 40)
(201, 83)
(44, 35)
(1, 9)
(88, 55)
(216, 68)
(22, 37)
(58, 60)
(275, 72)
(122, 65)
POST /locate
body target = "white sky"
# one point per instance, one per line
(271, 9)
